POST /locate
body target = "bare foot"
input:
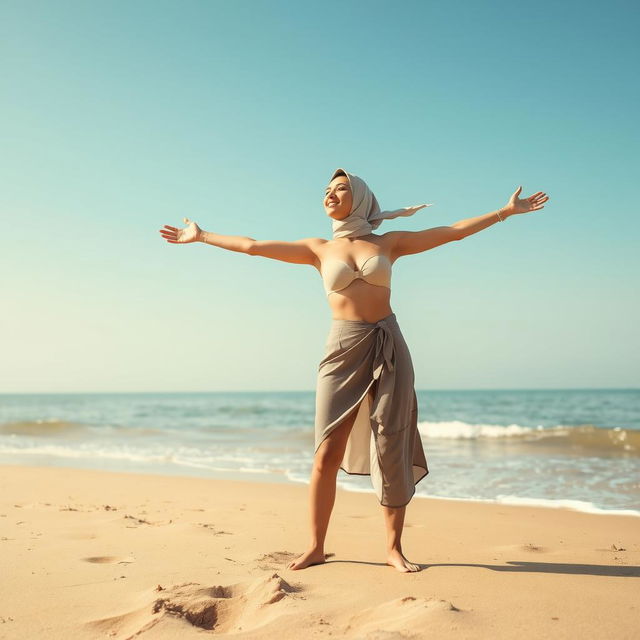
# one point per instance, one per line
(397, 560)
(308, 558)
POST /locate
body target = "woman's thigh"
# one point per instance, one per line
(332, 449)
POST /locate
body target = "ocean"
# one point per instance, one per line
(559, 448)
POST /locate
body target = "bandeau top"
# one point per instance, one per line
(338, 275)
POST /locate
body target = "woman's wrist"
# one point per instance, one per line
(201, 236)
(504, 212)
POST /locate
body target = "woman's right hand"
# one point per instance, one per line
(190, 233)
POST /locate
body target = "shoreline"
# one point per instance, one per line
(91, 553)
(259, 477)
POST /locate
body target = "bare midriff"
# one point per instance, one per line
(360, 300)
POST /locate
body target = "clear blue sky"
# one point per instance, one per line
(119, 117)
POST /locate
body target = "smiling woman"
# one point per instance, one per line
(338, 197)
(366, 410)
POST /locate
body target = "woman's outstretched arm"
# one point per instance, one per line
(408, 242)
(298, 252)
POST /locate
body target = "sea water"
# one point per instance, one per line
(567, 448)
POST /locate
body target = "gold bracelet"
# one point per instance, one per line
(498, 214)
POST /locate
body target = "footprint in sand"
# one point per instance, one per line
(108, 560)
(135, 522)
(212, 528)
(401, 617)
(235, 608)
(275, 560)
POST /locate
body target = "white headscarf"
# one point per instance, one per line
(365, 214)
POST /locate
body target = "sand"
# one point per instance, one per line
(98, 554)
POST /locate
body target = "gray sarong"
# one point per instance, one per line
(384, 441)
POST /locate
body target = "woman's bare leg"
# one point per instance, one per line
(322, 491)
(394, 520)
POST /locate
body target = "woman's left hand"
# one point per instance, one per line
(524, 205)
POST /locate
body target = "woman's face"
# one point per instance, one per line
(338, 198)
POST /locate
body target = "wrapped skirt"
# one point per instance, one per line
(384, 441)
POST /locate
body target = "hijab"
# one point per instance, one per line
(365, 214)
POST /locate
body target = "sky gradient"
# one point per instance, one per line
(120, 117)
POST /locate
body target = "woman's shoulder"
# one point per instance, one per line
(313, 242)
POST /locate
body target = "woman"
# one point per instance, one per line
(366, 408)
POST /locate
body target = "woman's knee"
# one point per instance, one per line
(329, 456)
(331, 451)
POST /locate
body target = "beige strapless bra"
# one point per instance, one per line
(338, 275)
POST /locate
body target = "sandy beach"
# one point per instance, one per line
(91, 554)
